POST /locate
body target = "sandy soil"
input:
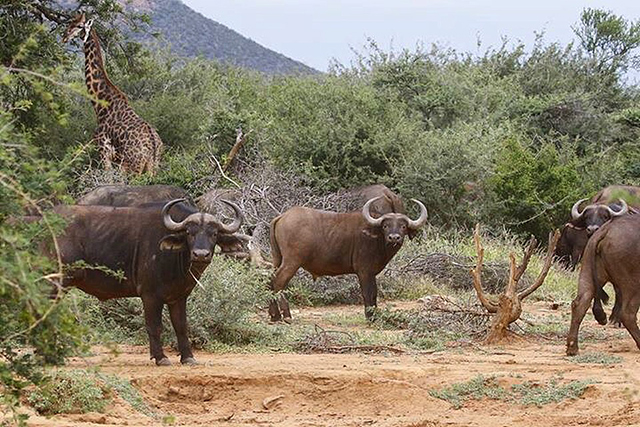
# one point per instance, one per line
(363, 390)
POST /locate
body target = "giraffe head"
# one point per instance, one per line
(78, 25)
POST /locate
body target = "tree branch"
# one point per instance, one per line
(476, 273)
(553, 240)
(525, 259)
(240, 138)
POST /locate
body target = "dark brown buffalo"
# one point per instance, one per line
(611, 255)
(136, 195)
(570, 245)
(329, 244)
(594, 215)
(387, 201)
(162, 259)
(591, 218)
(601, 207)
(614, 192)
(132, 195)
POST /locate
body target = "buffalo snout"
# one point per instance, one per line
(201, 255)
(395, 238)
(592, 229)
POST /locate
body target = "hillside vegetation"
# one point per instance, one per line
(510, 138)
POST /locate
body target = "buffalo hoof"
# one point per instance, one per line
(189, 361)
(572, 350)
(616, 323)
(287, 320)
(601, 317)
(163, 362)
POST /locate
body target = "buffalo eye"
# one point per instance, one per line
(385, 227)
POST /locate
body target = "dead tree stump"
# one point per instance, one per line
(508, 307)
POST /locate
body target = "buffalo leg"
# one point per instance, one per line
(579, 307)
(282, 277)
(615, 318)
(597, 310)
(369, 290)
(153, 321)
(178, 312)
(628, 313)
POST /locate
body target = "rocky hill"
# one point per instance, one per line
(190, 34)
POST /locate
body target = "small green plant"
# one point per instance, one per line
(597, 357)
(533, 393)
(477, 388)
(387, 318)
(70, 392)
(126, 391)
(526, 393)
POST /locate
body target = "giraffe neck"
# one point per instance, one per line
(98, 84)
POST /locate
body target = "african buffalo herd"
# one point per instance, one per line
(161, 242)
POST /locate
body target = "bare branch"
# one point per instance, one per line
(512, 284)
(476, 273)
(553, 240)
(240, 138)
(222, 172)
(525, 259)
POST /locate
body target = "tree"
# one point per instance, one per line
(609, 39)
(508, 308)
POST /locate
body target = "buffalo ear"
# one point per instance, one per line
(173, 243)
(373, 232)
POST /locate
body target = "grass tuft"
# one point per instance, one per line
(526, 393)
(597, 358)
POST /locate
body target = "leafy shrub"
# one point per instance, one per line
(337, 132)
(69, 392)
(533, 188)
(223, 309)
(526, 393)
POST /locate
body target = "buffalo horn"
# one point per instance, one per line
(374, 222)
(422, 219)
(623, 210)
(168, 222)
(237, 222)
(575, 214)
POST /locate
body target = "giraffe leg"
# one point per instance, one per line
(107, 151)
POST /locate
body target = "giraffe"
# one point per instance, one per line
(123, 137)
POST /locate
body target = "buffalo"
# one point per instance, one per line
(601, 207)
(586, 222)
(329, 244)
(610, 256)
(162, 258)
(593, 216)
(132, 195)
(387, 201)
(582, 225)
(136, 195)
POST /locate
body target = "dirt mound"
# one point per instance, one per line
(286, 390)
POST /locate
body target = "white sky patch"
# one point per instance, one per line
(315, 31)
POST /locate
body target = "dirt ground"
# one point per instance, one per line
(369, 389)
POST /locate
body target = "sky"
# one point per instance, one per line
(317, 31)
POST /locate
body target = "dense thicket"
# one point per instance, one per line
(510, 138)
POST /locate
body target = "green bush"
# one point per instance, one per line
(532, 189)
(336, 131)
(69, 392)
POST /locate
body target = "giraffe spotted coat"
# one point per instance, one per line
(125, 139)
